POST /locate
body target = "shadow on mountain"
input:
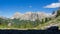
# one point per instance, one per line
(51, 30)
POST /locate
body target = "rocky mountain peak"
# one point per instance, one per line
(31, 15)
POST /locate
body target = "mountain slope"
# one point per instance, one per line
(54, 22)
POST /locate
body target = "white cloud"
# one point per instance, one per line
(59, 0)
(30, 6)
(53, 5)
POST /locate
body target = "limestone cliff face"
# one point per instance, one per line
(16, 15)
(31, 15)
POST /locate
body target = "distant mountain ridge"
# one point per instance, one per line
(32, 15)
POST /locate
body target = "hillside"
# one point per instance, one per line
(54, 22)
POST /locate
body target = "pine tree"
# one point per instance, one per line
(58, 13)
(46, 19)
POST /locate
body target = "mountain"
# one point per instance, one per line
(3, 17)
(31, 15)
(24, 22)
(16, 15)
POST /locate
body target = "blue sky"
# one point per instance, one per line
(9, 7)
